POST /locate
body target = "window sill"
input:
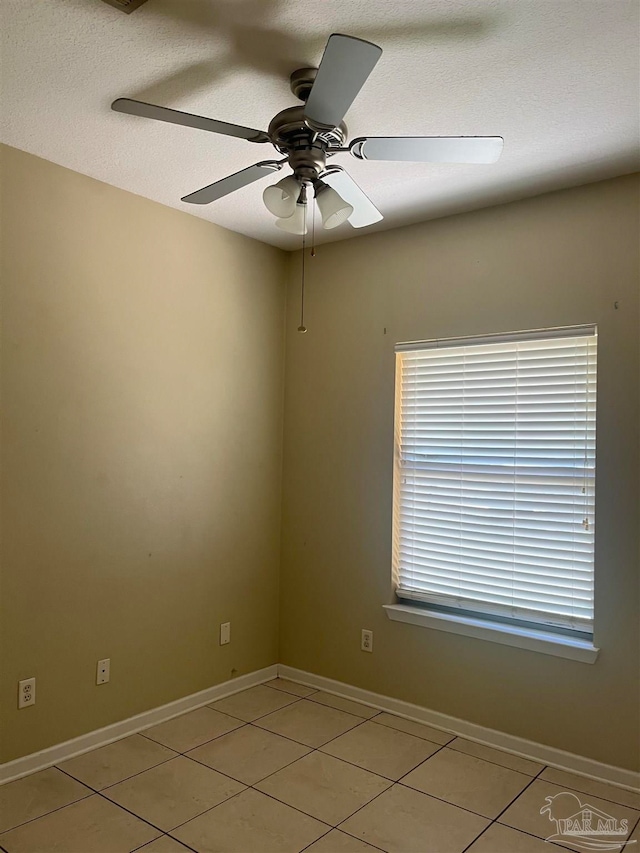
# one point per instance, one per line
(496, 632)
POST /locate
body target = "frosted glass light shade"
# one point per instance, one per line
(280, 199)
(297, 223)
(333, 209)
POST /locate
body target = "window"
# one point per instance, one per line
(495, 475)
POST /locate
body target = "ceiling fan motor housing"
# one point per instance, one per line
(306, 147)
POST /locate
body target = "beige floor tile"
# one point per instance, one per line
(468, 782)
(339, 842)
(192, 729)
(592, 786)
(249, 754)
(36, 795)
(502, 839)
(416, 729)
(347, 705)
(251, 823)
(497, 756)
(254, 703)
(525, 812)
(404, 821)
(324, 787)
(164, 844)
(309, 723)
(382, 750)
(117, 761)
(174, 792)
(291, 687)
(93, 825)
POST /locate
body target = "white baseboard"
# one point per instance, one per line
(101, 737)
(618, 776)
(539, 752)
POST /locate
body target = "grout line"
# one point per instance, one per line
(364, 805)
(124, 808)
(335, 829)
(375, 772)
(514, 828)
(635, 826)
(572, 790)
(216, 737)
(206, 811)
(402, 731)
(586, 793)
(376, 711)
(493, 763)
(489, 761)
(441, 800)
(126, 778)
(164, 835)
(290, 692)
(480, 834)
(258, 781)
(324, 835)
(311, 749)
(508, 806)
(294, 701)
(57, 809)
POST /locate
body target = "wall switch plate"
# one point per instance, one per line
(225, 633)
(26, 692)
(103, 671)
(366, 640)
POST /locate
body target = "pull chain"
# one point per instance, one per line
(302, 328)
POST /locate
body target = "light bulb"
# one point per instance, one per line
(297, 222)
(333, 209)
(280, 199)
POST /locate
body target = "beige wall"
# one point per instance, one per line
(142, 397)
(559, 259)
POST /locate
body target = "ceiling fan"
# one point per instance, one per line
(309, 136)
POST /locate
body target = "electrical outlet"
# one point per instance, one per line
(26, 692)
(366, 640)
(103, 671)
(225, 633)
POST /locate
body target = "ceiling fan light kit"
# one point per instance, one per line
(281, 198)
(296, 223)
(309, 135)
(334, 210)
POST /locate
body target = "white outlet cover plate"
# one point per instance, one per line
(366, 643)
(103, 671)
(225, 633)
(26, 693)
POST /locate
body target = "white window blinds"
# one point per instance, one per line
(495, 474)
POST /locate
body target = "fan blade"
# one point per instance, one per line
(364, 210)
(139, 108)
(429, 149)
(233, 182)
(344, 69)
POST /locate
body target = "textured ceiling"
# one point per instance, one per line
(558, 79)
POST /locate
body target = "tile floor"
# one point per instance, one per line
(281, 768)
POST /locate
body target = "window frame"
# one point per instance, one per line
(536, 635)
